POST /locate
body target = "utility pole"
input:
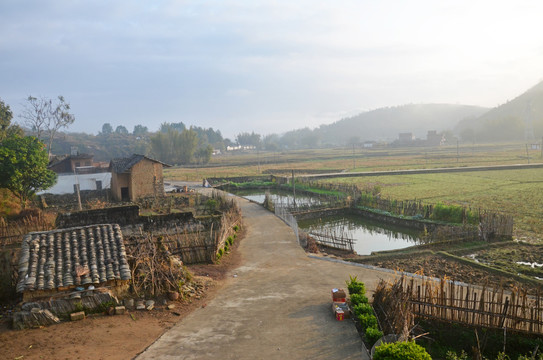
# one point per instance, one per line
(527, 154)
(354, 160)
(77, 189)
(456, 150)
(294, 188)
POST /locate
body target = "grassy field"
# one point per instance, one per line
(517, 192)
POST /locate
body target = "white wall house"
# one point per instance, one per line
(66, 182)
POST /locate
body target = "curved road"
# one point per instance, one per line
(276, 305)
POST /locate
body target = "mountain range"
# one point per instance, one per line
(517, 120)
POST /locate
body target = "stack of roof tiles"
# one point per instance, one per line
(75, 256)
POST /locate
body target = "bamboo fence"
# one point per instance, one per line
(444, 300)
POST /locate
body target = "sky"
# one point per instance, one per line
(263, 66)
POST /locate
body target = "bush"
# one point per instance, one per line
(357, 299)
(226, 248)
(363, 308)
(230, 240)
(453, 214)
(236, 228)
(401, 351)
(354, 286)
(367, 321)
(372, 335)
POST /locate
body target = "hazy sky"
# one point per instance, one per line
(264, 66)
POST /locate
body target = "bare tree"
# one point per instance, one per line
(45, 117)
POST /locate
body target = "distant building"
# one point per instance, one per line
(135, 177)
(68, 163)
(406, 138)
(434, 139)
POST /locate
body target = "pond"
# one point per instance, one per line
(278, 197)
(368, 235)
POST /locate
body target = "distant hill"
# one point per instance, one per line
(518, 119)
(387, 123)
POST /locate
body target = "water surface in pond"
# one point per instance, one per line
(278, 197)
(368, 235)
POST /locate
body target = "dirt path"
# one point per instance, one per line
(275, 305)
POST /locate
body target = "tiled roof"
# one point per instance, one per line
(75, 256)
(124, 164)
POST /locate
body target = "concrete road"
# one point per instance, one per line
(276, 305)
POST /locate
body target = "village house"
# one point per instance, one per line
(59, 261)
(406, 138)
(135, 177)
(77, 170)
(434, 139)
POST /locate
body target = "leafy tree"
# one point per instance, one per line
(353, 140)
(23, 165)
(246, 139)
(174, 147)
(46, 118)
(271, 142)
(203, 155)
(140, 130)
(6, 128)
(165, 127)
(187, 146)
(5, 118)
(121, 130)
(107, 129)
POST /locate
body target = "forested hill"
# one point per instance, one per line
(518, 119)
(387, 123)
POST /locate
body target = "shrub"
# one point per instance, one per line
(367, 320)
(372, 335)
(453, 214)
(357, 299)
(401, 351)
(226, 248)
(354, 286)
(236, 228)
(230, 240)
(363, 308)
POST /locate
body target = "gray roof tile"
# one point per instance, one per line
(75, 256)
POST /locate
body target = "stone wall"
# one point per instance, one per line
(69, 202)
(122, 215)
(132, 222)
